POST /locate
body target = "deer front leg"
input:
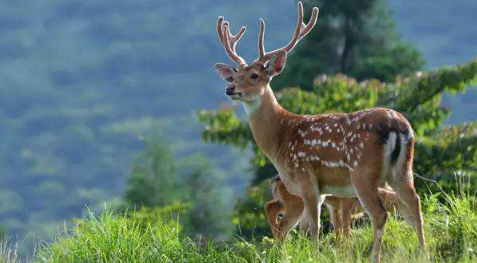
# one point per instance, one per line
(312, 200)
(304, 225)
(336, 221)
(347, 206)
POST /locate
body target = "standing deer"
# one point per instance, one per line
(344, 155)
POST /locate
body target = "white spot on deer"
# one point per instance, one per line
(302, 154)
(340, 191)
(313, 142)
(314, 158)
(361, 145)
(355, 164)
(393, 114)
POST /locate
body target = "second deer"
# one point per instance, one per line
(285, 210)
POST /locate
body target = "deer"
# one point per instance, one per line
(338, 154)
(285, 210)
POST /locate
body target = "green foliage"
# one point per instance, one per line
(158, 181)
(357, 38)
(450, 79)
(221, 124)
(209, 215)
(132, 237)
(152, 181)
(249, 216)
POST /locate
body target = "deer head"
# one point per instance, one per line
(248, 83)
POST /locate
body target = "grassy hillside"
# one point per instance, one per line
(451, 232)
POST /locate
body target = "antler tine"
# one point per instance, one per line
(311, 23)
(298, 28)
(220, 23)
(301, 30)
(229, 41)
(261, 36)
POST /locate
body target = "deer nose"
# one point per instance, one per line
(230, 90)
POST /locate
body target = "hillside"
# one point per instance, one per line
(450, 233)
(82, 81)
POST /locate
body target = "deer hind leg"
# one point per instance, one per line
(366, 187)
(411, 202)
(401, 181)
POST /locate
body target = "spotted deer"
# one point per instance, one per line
(285, 210)
(343, 154)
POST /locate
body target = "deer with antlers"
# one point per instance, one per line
(343, 155)
(285, 210)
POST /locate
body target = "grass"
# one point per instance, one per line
(451, 232)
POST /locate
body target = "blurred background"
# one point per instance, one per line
(103, 101)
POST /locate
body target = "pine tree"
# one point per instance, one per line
(356, 38)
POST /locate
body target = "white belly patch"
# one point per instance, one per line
(339, 191)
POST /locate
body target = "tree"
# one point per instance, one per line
(153, 182)
(357, 38)
(158, 181)
(208, 216)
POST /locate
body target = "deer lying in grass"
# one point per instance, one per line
(285, 210)
(344, 155)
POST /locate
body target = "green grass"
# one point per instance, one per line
(451, 232)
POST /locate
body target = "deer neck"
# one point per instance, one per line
(265, 118)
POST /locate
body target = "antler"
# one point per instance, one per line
(229, 41)
(301, 30)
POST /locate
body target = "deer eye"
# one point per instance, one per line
(254, 76)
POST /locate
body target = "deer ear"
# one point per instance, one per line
(277, 63)
(225, 71)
